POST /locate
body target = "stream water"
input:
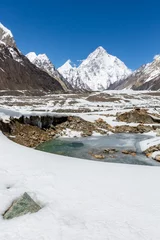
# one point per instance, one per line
(86, 147)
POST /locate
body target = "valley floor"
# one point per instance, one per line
(108, 102)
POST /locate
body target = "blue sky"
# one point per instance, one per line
(129, 29)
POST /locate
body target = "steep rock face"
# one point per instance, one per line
(6, 36)
(18, 73)
(97, 72)
(43, 62)
(147, 77)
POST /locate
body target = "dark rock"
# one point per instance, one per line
(110, 150)
(23, 205)
(129, 152)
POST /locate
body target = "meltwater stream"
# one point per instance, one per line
(85, 147)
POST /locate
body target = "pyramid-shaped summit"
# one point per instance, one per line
(97, 72)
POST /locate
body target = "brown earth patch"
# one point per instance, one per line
(130, 129)
(29, 136)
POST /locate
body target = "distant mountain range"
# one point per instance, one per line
(99, 71)
(147, 77)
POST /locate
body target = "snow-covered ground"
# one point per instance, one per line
(104, 103)
(80, 199)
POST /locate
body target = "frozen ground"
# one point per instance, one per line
(107, 102)
(81, 199)
(90, 106)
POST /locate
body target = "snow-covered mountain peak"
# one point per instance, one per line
(156, 58)
(66, 66)
(99, 50)
(98, 53)
(31, 56)
(6, 30)
(6, 36)
(96, 72)
(43, 57)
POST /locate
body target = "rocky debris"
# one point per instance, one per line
(23, 205)
(157, 132)
(98, 156)
(157, 158)
(103, 153)
(152, 149)
(87, 128)
(137, 116)
(34, 130)
(29, 136)
(130, 129)
(149, 155)
(110, 150)
(102, 124)
(129, 152)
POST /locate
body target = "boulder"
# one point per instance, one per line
(110, 150)
(137, 116)
(157, 158)
(129, 152)
(23, 205)
(98, 156)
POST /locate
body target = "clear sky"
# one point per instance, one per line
(71, 29)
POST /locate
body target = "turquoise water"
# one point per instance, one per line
(85, 147)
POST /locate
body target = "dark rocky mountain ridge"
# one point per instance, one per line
(21, 74)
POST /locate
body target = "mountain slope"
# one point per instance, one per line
(43, 62)
(147, 77)
(97, 72)
(17, 72)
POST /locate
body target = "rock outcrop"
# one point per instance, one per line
(23, 205)
(138, 116)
